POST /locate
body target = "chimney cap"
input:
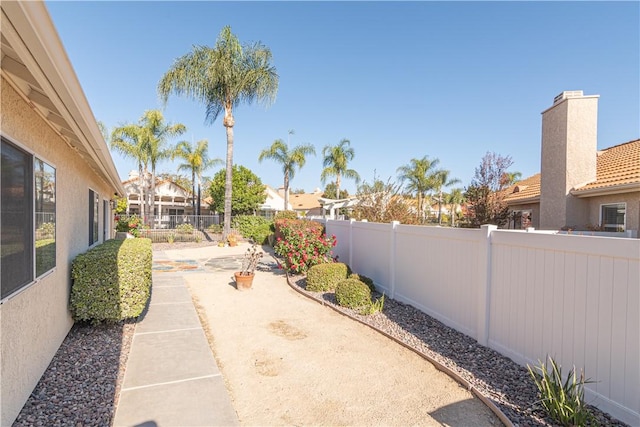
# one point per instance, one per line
(566, 95)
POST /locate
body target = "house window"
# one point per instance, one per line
(45, 209)
(612, 217)
(93, 217)
(16, 220)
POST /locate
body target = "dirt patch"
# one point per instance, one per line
(290, 361)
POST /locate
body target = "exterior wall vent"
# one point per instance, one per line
(567, 94)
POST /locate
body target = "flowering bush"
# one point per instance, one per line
(303, 245)
(131, 224)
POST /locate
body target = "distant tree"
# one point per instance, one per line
(441, 179)
(197, 160)
(330, 192)
(512, 177)
(419, 179)
(223, 77)
(290, 159)
(179, 179)
(248, 191)
(485, 195)
(298, 191)
(383, 202)
(336, 163)
(157, 146)
(455, 198)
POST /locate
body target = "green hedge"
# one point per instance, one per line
(112, 281)
(325, 277)
(252, 227)
(353, 293)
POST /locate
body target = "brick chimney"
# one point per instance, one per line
(568, 160)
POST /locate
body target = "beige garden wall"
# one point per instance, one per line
(34, 322)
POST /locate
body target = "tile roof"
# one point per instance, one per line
(617, 166)
(304, 201)
(527, 189)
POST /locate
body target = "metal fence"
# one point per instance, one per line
(170, 222)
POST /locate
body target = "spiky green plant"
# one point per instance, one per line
(562, 399)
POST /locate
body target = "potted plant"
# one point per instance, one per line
(232, 239)
(244, 278)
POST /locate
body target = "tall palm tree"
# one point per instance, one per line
(441, 180)
(130, 140)
(153, 122)
(336, 161)
(455, 198)
(290, 159)
(196, 161)
(223, 77)
(418, 175)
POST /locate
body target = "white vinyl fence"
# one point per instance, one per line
(528, 295)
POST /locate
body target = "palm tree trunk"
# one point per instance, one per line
(286, 190)
(228, 183)
(153, 194)
(193, 192)
(141, 190)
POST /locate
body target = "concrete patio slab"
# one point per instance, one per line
(169, 356)
(194, 402)
(170, 293)
(169, 317)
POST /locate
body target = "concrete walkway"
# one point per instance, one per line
(171, 377)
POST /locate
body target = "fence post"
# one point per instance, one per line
(484, 289)
(351, 221)
(392, 260)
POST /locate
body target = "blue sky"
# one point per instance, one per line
(400, 80)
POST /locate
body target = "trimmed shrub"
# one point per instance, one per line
(365, 279)
(112, 281)
(285, 215)
(252, 227)
(184, 228)
(353, 293)
(325, 277)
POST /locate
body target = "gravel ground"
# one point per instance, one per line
(497, 377)
(81, 384)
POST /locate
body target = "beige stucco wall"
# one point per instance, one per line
(568, 159)
(34, 323)
(633, 208)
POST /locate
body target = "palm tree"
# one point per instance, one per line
(159, 131)
(512, 177)
(441, 180)
(455, 198)
(130, 140)
(196, 161)
(222, 78)
(335, 162)
(418, 175)
(290, 159)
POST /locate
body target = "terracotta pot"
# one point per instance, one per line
(243, 282)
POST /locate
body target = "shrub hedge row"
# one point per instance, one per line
(112, 281)
(325, 277)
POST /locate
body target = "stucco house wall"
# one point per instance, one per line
(632, 214)
(44, 115)
(34, 322)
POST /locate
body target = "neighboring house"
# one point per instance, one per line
(578, 186)
(170, 198)
(273, 204)
(307, 204)
(58, 186)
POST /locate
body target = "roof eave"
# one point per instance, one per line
(605, 191)
(48, 62)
